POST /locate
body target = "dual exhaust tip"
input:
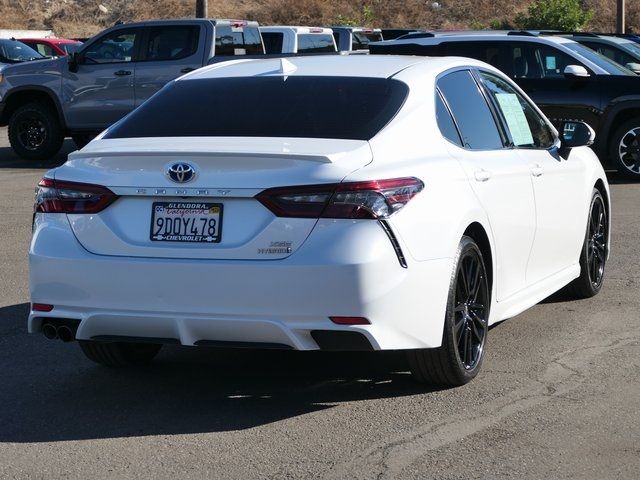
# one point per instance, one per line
(60, 331)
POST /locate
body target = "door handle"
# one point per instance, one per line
(537, 170)
(482, 175)
(122, 73)
(187, 70)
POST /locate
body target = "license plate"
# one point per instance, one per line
(195, 222)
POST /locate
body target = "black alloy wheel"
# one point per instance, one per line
(597, 242)
(471, 305)
(595, 248)
(459, 358)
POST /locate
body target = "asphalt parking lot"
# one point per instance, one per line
(559, 396)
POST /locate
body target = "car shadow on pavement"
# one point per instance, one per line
(50, 392)
(8, 158)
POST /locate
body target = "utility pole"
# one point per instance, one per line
(620, 18)
(202, 9)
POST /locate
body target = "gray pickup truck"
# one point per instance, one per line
(45, 101)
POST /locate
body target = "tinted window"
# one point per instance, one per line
(526, 127)
(613, 53)
(535, 60)
(361, 40)
(171, 42)
(603, 62)
(70, 47)
(445, 122)
(469, 108)
(313, 42)
(115, 47)
(239, 40)
(272, 41)
(312, 107)
(493, 53)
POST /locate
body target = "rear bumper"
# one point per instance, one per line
(344, 268)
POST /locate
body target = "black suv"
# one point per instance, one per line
(567, 80)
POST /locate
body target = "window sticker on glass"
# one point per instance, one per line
(239, 51)
(516, 120)
(551, 63)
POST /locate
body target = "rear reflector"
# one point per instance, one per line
(56, 196)
(41, 307)
(350, 320)
(356, 200)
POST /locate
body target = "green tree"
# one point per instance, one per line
(566, 15)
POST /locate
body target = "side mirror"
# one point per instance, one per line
(575, 71)
(575, 134)
(75, 59)
(634, 67)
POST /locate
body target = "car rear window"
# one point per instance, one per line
(238, 40)
(294, 106)
(361, 40)
(315, 43)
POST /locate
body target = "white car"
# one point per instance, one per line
(332, 203)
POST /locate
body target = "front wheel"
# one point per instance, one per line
(35, 132)
(625, 149)
(593, 256)
(459, 358)
(119, 354)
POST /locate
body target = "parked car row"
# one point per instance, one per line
(566, 79)
(569, 75)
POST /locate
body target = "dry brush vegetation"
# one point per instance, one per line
(79, 18)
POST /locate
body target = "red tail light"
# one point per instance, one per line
(363, 200)
(54, 196)
(41, 307)
(350, 320)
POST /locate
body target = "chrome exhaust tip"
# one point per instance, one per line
(49, 331)
(65, 334)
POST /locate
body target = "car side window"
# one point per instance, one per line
(445, 121)
(493, 53)
(43, 49)
(528, 129)
(115, 47)
(238, 40)
(470, 110)
(612, 53)
(172, 42)
(535, 60)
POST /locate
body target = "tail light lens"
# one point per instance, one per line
(54, 196)
(356, 200)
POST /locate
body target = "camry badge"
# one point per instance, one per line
(181, 172)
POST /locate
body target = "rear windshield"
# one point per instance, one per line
(361, 40)
(315, 43)
(238, 41)
(294, 106)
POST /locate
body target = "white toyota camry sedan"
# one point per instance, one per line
(332, 203)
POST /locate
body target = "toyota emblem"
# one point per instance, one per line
(181, 172)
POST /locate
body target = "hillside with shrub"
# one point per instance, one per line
(80, 18)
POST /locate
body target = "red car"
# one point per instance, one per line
(52, 47)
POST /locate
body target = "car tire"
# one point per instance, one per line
(459, 359)
(625, 149)
(82, 139)
(593, 255)
(119, 354)
(35, 132)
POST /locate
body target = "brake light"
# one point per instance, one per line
(362, 200)
(41, 307)
(316, 30)
(55, 196)
(350, 320)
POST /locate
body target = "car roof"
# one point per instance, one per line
(371, 66)
(439, 37)
(296, 29)
(214, 21)
(49, 39)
